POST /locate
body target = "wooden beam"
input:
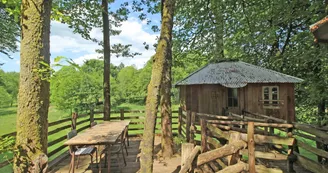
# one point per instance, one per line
(268, 117)
(220, 152)
(206, 168)
(310, 164)
(263, 169)
(258, 124)
(203, 124)
(235, 157)
(186, 149)
(325, 141)
(312, 149)
(311, 130)
(265, 155)
(251, 147)
(240, 166)
(190, 159)
(214, 142)
(262, 139)
(217, 132)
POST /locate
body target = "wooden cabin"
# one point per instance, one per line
(237, 86)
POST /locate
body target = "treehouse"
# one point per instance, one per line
(320, 30)
(235, 86)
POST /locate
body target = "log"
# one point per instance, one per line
(312, 149)
(265, 155)
(186, 149)
(269, 117)
(211, 116)
(310, 164)
(251, 147)
(206, 168)
(325, 141)
(235, 157)
(263, 169)
(262, 139)
(214, 142)
(215, 166)
(217, 132)
(189, 160)
(226, 150)
(257, 124)
(203, 135)
(240, 166)
(311, 130)
(188, 123)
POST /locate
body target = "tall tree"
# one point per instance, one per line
(33, 103)
(9, 27)
(166, 109)
(106, 45)
(163, 51)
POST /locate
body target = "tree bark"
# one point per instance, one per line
(106, 60)
(153, 96)
(166, 110)
(33, 102)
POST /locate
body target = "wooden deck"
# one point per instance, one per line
(133, 162)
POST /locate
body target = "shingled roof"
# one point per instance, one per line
(235, 75)
(320, 30)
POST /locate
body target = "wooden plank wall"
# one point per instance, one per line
(212, 98)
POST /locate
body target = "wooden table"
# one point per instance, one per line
(105, 133)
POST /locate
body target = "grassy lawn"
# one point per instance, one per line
(8, 125)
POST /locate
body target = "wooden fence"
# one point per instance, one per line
(58, 130)
(265, 137)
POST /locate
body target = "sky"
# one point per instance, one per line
(63, 42)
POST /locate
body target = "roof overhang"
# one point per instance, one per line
(320, 30)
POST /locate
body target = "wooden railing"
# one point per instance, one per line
(58, 129)
(212, 132)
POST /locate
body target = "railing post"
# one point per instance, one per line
(74, 118)
(203, 125)
(290, 158)
(192, 127)
(251, 147)
(92, 115)
(121, 114)
(188, 123)
(179, 121)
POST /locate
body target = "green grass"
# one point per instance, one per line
(8, 125)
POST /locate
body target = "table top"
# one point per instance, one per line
(101, 134)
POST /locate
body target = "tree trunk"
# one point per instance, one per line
(163, 51)
(106, 60)
(33, 102)
(166, 110)
(217, 9)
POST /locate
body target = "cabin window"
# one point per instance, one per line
(232, 97)
(270, 96)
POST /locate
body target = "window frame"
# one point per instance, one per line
(272, 103)
(232, 97)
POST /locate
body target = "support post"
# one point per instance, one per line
(251, 147)
(192, 127)
(290, 160)
(179, 121)
(186, 149)
(233, 139)
(121, 114)
(92, 115)
(203, 125)
(188, 123)
(74, 118)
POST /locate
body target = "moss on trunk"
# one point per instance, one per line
(153, 96)
(166, 111)
(106, 60)
(33, 101)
